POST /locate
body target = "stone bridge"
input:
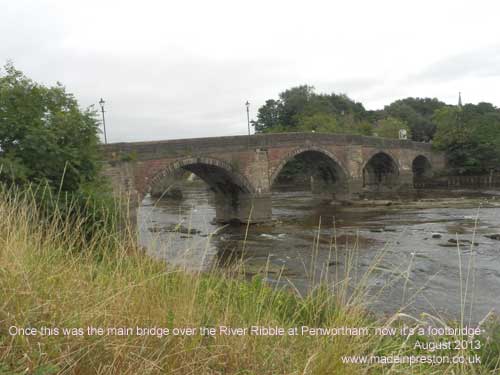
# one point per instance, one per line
(242, 170)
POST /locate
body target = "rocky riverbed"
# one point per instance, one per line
(440, 255)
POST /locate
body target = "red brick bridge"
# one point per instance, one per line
(241, 170)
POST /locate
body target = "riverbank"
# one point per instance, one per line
(105, 308)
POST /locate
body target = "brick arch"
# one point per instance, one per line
(422, 156)
(236, 178)
(421, 170)
(381, 151)
(379, 175)
(301, 150)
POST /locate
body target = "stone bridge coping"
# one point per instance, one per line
(240, 142)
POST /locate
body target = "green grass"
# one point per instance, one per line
(51, 277)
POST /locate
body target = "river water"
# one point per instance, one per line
(404, 254)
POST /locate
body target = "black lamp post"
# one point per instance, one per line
(101, 103)
(248, 116)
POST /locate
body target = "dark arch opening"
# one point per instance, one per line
(232, 191)
(217, 176)
(422, 171)
(380, 173)
(312, 170)
(219, 179)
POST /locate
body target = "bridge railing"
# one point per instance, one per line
(460, 181)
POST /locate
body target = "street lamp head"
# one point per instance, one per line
(101, 102)
(247, 104)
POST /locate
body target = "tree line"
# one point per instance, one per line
(469, 134)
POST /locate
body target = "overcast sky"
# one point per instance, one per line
(178, 69)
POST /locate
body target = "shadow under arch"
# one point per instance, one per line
(328, 177)
(217, 174)
(380, 172)
(422, 170)
(233, 192)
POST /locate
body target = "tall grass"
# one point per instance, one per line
(51, 277)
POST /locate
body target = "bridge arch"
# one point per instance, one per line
(218, 174)
(422, 170)
(421, 166)
(380, 171)
(331, 175)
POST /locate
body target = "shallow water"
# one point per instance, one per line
(309, 240)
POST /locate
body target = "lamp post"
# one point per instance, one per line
(101, 103)
(248, 116)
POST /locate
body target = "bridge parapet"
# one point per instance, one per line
(168, 148)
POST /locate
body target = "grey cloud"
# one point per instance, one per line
(164, 91)
(480, 63)
(350, 86)
(151, 97)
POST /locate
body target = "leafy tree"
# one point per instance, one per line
(363, 128)
(450, 128)
(350, 124)
(319, 122)
(418, 115)
(44, 136)
(470, 136)
(294, 102)
(268, 116)
(389, 127)
(301, 109)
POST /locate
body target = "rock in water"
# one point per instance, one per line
(494, 236)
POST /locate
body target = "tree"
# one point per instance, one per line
(297, 104)
(470, 136)
(418, 115)
(44, 136)
(268, 116)
(450, 128)
(319, 122)
(389, 127)
(294, 103)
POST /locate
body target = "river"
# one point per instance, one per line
(409, 249)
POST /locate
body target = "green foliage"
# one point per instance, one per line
(364, 128)
(268, 116)
(319, 122)
(389, 127)
(44, 136)
(451, 128)
(417, 113)
(300, 109)
(470, 136)
(49, 149)
(490, 348)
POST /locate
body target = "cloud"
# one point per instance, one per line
(481, 63)
(185, 69)
(350, 85)
(171, 97)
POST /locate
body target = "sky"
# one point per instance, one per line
(182, 69)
